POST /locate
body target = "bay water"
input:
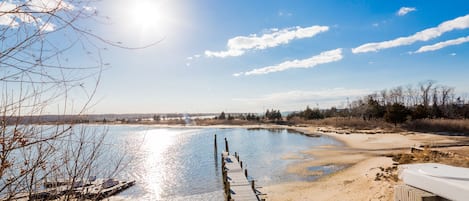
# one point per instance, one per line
(182, 163)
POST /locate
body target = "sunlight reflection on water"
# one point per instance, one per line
(181, 164)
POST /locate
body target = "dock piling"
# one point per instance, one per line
(215, 141)
(226, 146)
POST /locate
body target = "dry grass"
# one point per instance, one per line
(441, 126)
(355, 123)
(208, 122)
(448, 126)
(427, 155)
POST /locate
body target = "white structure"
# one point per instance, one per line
(443, 180)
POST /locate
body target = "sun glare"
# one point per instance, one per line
(148, 14)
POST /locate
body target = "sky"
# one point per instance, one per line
(249, 56)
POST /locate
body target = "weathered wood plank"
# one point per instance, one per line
(240, 188)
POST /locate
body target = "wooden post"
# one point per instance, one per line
(228, 191)
(241, 164)
(253, 186)
(222, 163)
(225, 177)
(215, 142)
(246, 173)
(226, 146)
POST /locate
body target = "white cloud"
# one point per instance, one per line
(193, 57)
(301, 98)
(453, 54)
(190, 59)
(425, 35)
(5, 6)
(49, 5)
(48, 27)
(89, 8)
(238, 45)
(444, 44)
(7, 19)
(13, 19)
(324, 57)
(282, 14)
(404, 10)
(223, 54)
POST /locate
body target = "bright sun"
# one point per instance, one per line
(148, 14)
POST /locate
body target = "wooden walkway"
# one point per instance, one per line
(237, 187)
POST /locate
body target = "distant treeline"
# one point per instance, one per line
(399, 104)
(97, 118)
(404, 103)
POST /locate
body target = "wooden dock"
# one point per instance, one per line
(91, 190)
(237, 187)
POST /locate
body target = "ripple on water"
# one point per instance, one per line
(181, 164)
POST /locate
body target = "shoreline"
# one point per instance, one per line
(364, 158)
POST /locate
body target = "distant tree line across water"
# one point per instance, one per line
(401, 104)
(396, 105)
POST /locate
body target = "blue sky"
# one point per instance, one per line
(208, 48)
(247, 56)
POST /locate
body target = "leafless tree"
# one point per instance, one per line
(384, 96)
(49, 63)
(411, 96)
(425, 89)
(446, 94)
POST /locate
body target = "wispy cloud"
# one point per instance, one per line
(284, 14)
(404, 10)
(48, 27)
(238, 45)
(89, 8)
(425, 35)
(443, 44)
(324, 97)
(18, 15)
(49, 5)
(7, 19)
(223, 54)
(324, 57)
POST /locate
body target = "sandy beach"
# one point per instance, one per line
(363, 155)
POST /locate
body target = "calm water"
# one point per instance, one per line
(181, 164)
